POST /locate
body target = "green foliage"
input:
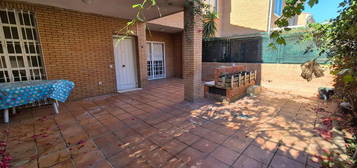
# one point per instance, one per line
(128, 29)
(337, 39)
(209, 24)
(200, 7)
(341, 44)
(291, 9)
(332, 159)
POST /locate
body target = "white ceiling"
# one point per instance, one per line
(115, 8)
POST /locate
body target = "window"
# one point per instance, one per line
(278, 8)
(20, 52)
(156, 60)
(213, 4)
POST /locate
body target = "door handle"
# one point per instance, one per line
(123, 66)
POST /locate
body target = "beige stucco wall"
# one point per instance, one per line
(278, 77)
(252, 14)
(238, 17)
(303, 19)
(174, 20)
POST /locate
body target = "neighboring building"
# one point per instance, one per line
(238, 17)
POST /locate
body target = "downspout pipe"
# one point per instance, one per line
(269, 15)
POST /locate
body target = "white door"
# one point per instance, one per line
(156, 60)
(125, 63)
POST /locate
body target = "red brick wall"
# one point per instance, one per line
(192, 54)
(178, 54)
(278, 77)
(78, 47)
(173, 51)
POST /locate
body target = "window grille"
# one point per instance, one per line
(156, 60)
(20, 51)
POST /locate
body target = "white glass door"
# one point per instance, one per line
(125, 63)
(156, 60)
(20, 51)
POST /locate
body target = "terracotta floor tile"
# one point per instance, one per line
(50, 144)
(247, 162)
(292, 153)
(54, 158)
(95, 131)
(129, 129)
(125, 132)
(138, 163)
(284, 162)
(147, 132)
(106, 139)
(133, 139)
(122, 158)
(157, 158)
(216, 137)
(188, 138)
(313, 162)
(190, 155)
(210, 162)
(161, 138)
(82, 147)
(225, 130)
(174, 147)
(225, 155)
(204, 146)
(25, 163)
(111, 149)
(236, 144)
(123, 116)
(259, 154)
(265, 144)
(22, 152)
(88, 159)
(176, 163)
(67, 163)
(75, 136)
(102, 164)
(200, 131)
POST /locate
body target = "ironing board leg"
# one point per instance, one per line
(14, 110)
(55, 107)
(6, 116)
(57, 103)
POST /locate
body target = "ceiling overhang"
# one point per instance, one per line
(163, 28)
(115, 8)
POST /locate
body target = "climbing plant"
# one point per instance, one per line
(337, 39)
(209, 24)
(200, 7)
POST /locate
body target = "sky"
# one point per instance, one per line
(324, 10)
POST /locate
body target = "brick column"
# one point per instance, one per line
(192, 54)
(142, 60)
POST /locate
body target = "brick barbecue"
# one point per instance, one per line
(230, 83)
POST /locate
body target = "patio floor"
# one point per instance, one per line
(154, 127)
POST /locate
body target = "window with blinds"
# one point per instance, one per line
(278, 7)
(20, 52)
